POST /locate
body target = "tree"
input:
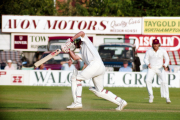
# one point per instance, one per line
(72, 8)
(27, 7)
(106, 7)
(154, 8)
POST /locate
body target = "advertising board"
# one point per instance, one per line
(111, 79)
(71, 24)
(63, 78)
(144, 42)
(36, 42)
(161, 25)
(30, 42)
(14, 77)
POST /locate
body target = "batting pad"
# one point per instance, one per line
(105, 94)
(74, 75)
(74, 84)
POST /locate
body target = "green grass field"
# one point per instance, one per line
(49, 103)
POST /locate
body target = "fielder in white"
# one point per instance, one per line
(154, 60)
(95, 69)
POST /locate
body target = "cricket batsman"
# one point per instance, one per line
(95, 69)
(154, 60)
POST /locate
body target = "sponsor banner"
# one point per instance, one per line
(2, 73)
(161, 25)
(56, 24)
(62, 78)
(111, 79)
(14, 77)
(20, 41)
(30, 42)
(35, 42)
(144, 42)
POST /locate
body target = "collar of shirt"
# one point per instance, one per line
(82, 43)
(156, 52)
(82, 38)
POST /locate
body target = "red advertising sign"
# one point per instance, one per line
(2, 73)
(17, 79)
(144, 42)
(20, 42)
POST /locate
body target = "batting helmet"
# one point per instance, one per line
(77, 42)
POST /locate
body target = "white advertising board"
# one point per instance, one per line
(111, 79)
(14, 77)
(32, 42)
(62, 78)
(35, 42)
(71, 24)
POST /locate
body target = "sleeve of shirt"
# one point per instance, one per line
(63, 66)
(166, 57)
(146, 58)
(86, 40)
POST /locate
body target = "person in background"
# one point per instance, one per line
(41, 67)
(67, 65)
(85, 65)
(9, 65)
(137, 62)
(37, 56)
(154, 60)
(145, 68)
(125, 67)
(167, 69)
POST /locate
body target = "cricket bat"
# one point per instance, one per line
(43, 60)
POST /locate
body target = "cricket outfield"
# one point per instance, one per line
(49, 103)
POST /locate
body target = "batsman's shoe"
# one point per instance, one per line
(92, 89)
(168, 101)
(75, 106)
(151, 99)
(123, 104)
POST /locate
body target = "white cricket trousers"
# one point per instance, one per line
(94, 70)
(164, 83)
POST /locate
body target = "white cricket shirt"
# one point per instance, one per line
(9, 68)
(88, 51)
(155, 59)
